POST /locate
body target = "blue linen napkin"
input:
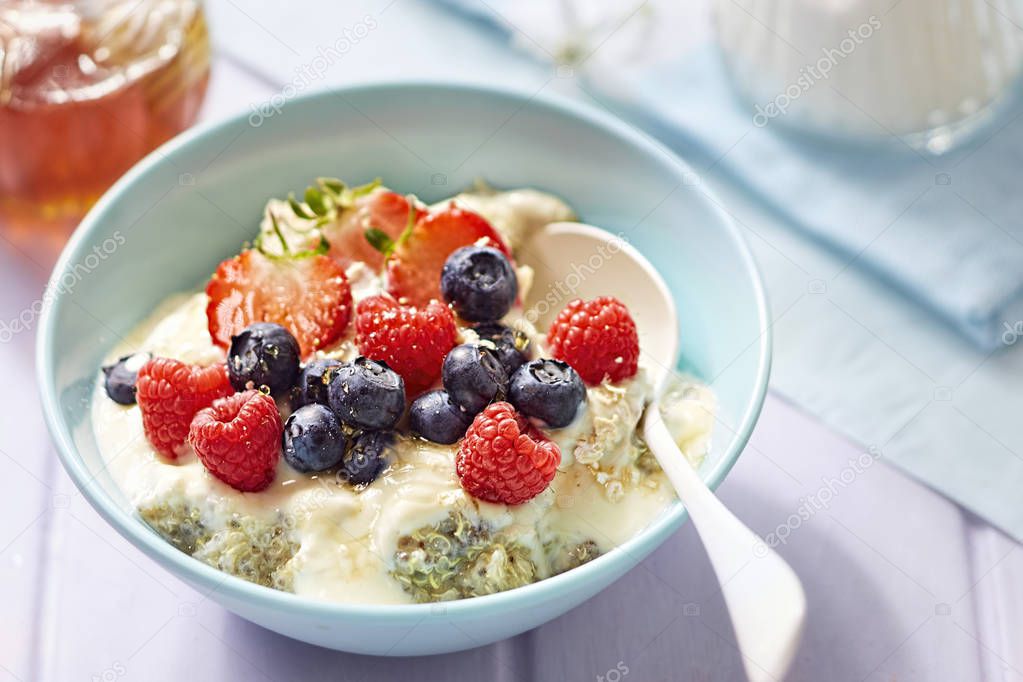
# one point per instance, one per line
(945, 231)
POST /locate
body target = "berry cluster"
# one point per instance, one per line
(269, 310)
(479, 284)
(169, 393)
(491, 387)
(343, 418)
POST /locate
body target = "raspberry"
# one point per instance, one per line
(169, 393)
(238, 439)
(412, 341)
(597, 338)
(505, 459)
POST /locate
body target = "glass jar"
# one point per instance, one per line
(87, 88)
(927, 71)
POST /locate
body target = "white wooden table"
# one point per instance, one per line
(902, 584)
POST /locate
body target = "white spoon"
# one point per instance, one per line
(764, 597)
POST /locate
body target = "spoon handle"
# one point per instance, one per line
(764, 597)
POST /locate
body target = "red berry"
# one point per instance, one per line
(238, 439)
(384, 210)
(505, 459)
(597, 338)
(169, 393)
(413, 270)
(310, 297)
(411, 340)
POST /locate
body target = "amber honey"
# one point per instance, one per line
(86, 89)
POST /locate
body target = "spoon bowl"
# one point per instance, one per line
(573, 260)
(764, 596)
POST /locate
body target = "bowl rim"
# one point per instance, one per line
(234, 588)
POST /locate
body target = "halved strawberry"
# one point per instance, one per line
(413, 269)
(384, 210)
(309, 296)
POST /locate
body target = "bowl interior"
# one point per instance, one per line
(164, 227)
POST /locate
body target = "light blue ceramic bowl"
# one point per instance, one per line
(167, 223)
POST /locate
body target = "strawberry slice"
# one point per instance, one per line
(309, 296)
(384, 210)
(413, 269)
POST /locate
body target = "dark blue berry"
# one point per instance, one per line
(548, 390)
(367, 394)
(479, 283)
(510, 346)
(473, 377)
(435, 417)
(313, 439)
(313, 382)
(119, 379)
(263, 354)
(370, 453)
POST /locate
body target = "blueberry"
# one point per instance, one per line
(119, 380)
(473, 377)
(435, 417)
(367, 394)
(548, 390)
(313, 439)
(371, 452)
(313, 382)
(265, 354)
(479, 283)
(511, 346)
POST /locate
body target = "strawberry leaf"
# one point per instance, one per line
(363, 190)
(280, 235)
(298, 209)
(314, 199)
(410, 224)
(379, 240)
(331, 186)
(322, 247)
(350, 194)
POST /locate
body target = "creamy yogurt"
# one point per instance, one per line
(414, 533)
